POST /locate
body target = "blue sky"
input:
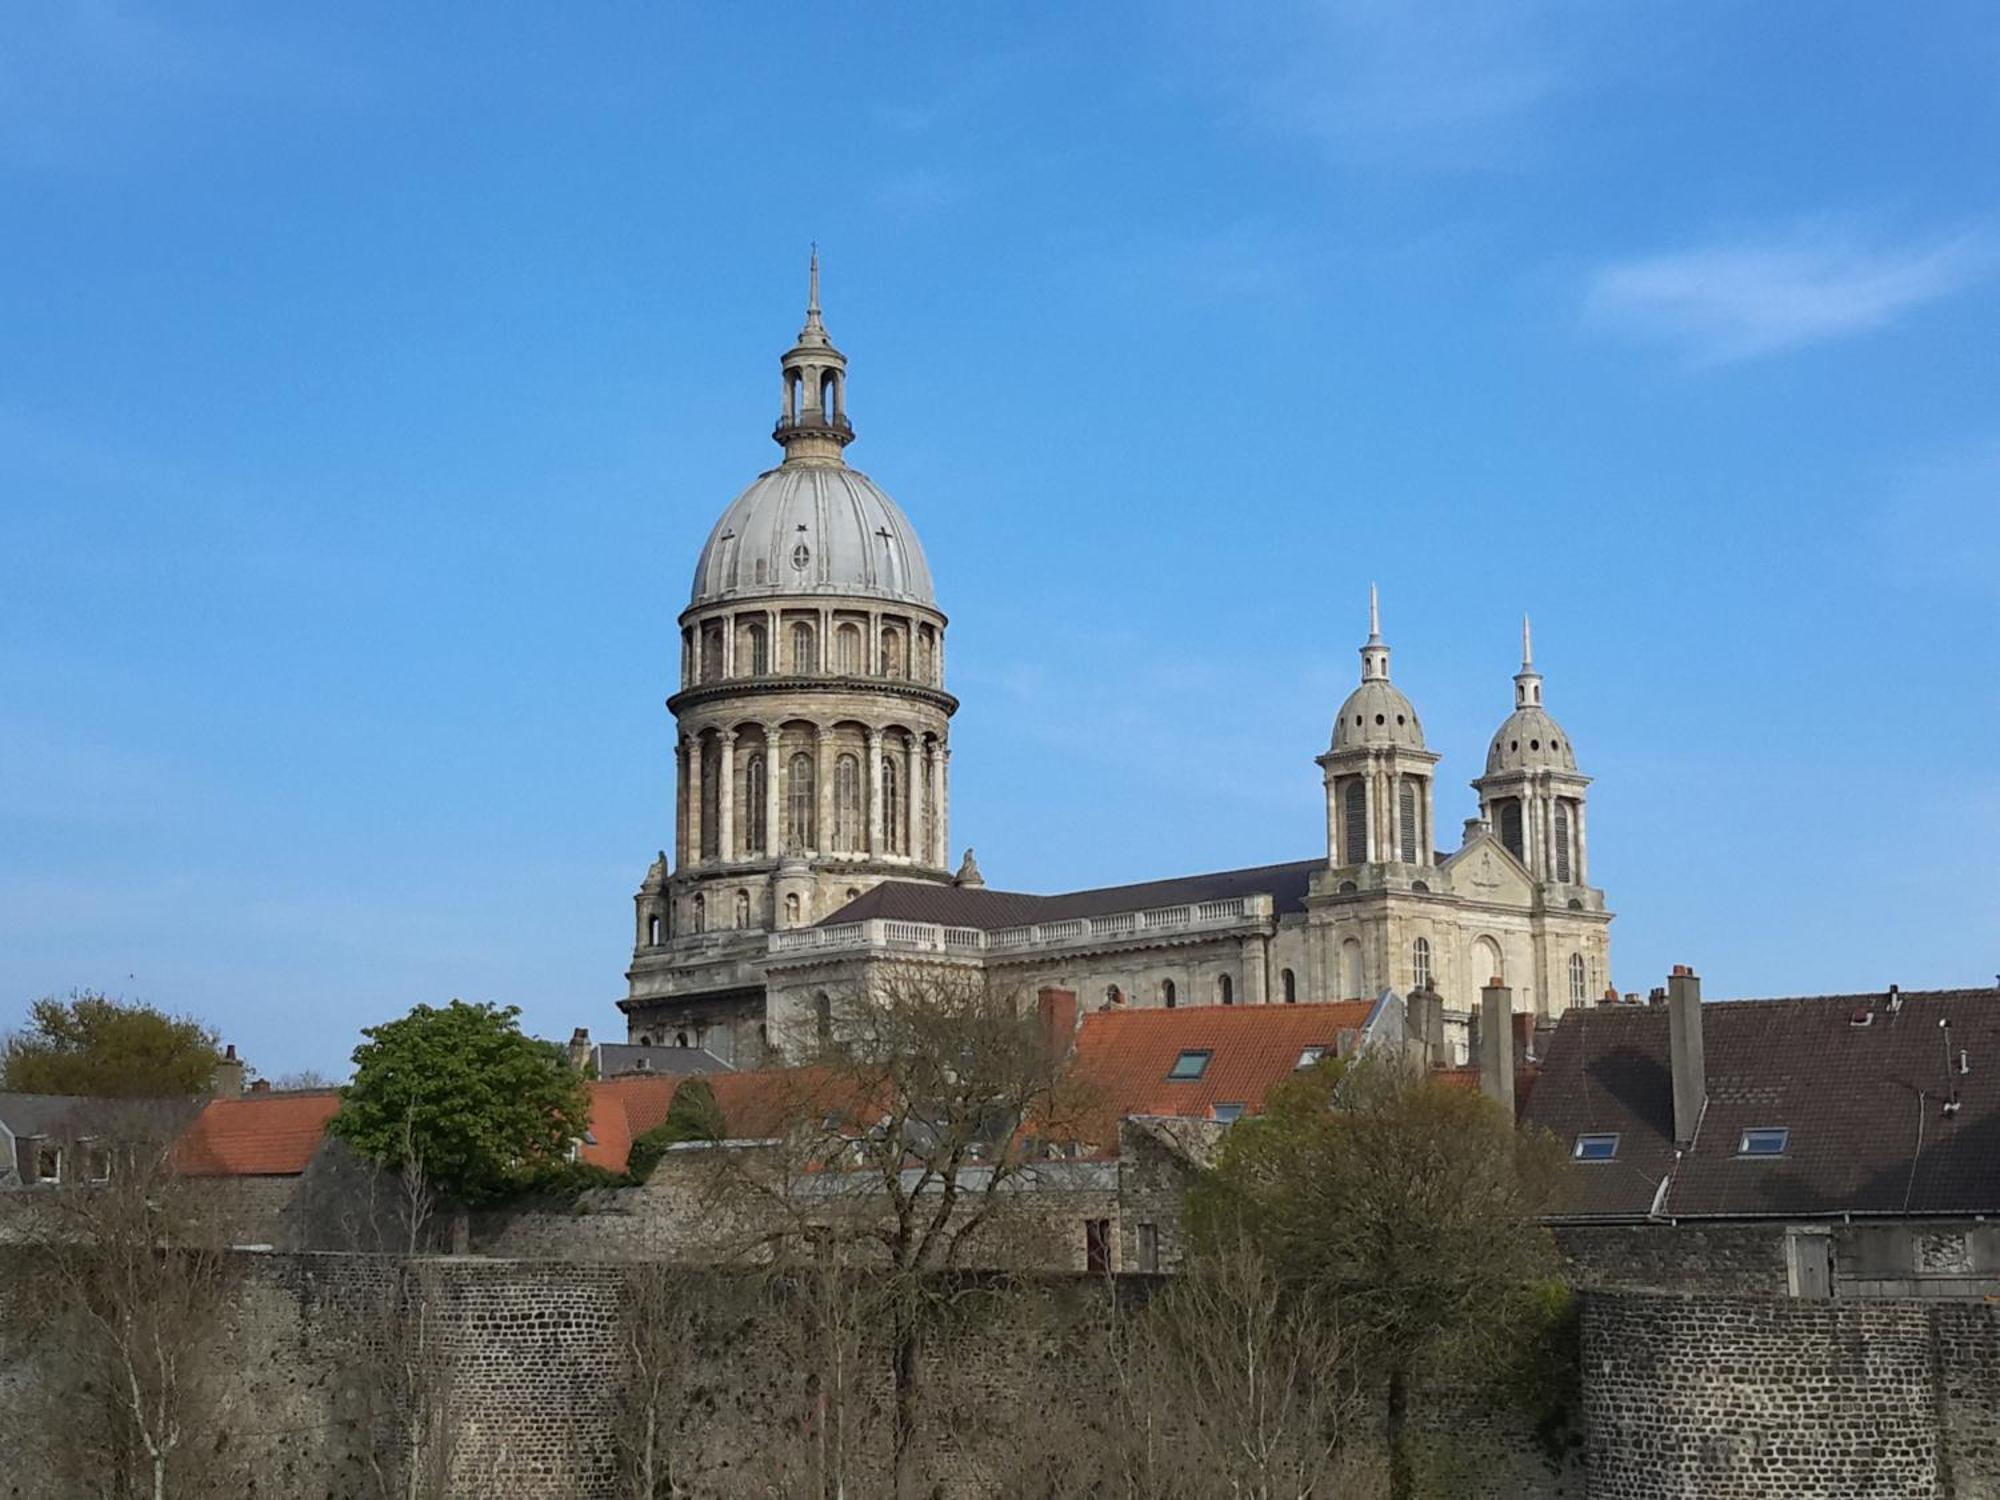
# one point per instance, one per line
(373, 373)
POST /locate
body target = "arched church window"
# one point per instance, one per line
(742, 908)
(892, 807)
(698, 914)
(1579, 980)
(1225, 989)
(804, 659)
(711, 653)
(711, 797)
(1406, 808)
(755, 834)
(847, 805)
(792, 383)
(799, 803)
(1420, 964)
(892, 653)
(1562, 842)
(1510, 828)
(1168, 995)
(1352, 979)
(759, 653)
(926, 654)
(1354, 807)
(847, 650)
(653, 930)
(1288, 984)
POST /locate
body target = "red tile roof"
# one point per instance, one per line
(1124, 1055)
(258, 1135)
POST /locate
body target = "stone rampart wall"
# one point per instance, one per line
(1741, 1398)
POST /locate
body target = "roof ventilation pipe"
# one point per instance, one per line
(1685, 1061)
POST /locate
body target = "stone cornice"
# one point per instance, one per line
(749, 689)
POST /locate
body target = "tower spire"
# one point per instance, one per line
(1374, 654)
(1527, 645)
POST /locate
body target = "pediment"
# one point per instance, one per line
(1484, 870)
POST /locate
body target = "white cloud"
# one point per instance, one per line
(1450, 84)
(1719, 303)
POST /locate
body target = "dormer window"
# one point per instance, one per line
(1764, 1141)
(1308, 1056)
(1188, 1067)
(1600, 1147)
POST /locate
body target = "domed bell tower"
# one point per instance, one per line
(812, 754)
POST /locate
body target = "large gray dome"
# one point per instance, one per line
(813, 528)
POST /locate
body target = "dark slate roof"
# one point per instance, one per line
(1864, 1105)
(955, 906)
(617, 1059)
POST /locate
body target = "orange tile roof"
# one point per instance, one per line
(258, 1135)
(1123, 1056)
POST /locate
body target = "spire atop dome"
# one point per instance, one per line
(1527, 681)
(1374, 655)
(813, 425)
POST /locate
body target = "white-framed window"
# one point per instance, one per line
(48, 1161)
(1579, 980)
(804, 658)
(1420, 964)
(1601, 1146)
(1189, 1066)
(1764, 1140)
(1308, 1056)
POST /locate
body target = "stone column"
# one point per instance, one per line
(1369, 810)
(1582, 870)
(912, 798)
(725, 799)
(774, 651)
(934, 800)
(822, 838)
(875, 830)
(774, 770)
(680, 801)
(694, 799)
(728, 645)
(943, 819)
(825, 642)
(1427, 835)
(1256, 970)
(1332, 786)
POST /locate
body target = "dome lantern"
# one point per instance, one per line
(812, 425)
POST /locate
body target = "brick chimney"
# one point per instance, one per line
(227, 1081)
(1684, 1055)
(1058, 1012)
(1496, 1044)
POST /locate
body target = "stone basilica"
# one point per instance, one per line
(813, 801)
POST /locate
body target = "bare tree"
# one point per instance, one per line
(133, 1283)
(906, 1150)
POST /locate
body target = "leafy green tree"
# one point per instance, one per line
(458, 1095)
(1407, 1209)
(107, 1049)
(692, 1115)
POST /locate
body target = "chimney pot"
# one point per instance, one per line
(1687, 1065)
(1496, 1045)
